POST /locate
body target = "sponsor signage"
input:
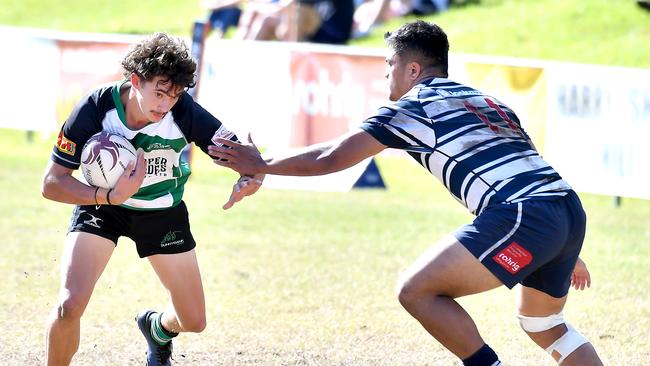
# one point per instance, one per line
(597, 127)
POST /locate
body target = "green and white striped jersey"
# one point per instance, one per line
(162, 142)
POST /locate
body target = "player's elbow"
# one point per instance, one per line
(48, 187)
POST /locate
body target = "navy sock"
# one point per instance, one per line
(485, 356)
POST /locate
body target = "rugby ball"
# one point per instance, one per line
(104, 158)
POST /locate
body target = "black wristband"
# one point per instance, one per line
(96, 189)
(108, 196)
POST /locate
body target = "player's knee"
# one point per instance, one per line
(563, 344)
(70, 308)
(408, 292)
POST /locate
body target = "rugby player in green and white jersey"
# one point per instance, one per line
(152, 110)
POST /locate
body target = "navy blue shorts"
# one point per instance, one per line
(534, 242)
(165, 231)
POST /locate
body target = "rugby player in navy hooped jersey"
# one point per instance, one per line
(153, 111)
(530, 224)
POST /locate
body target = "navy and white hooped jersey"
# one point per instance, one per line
(162, 142)
(470, 141)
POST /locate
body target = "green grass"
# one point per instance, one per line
(612, 32)
(299, 278)
(103, 16)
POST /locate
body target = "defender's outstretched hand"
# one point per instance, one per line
(245, 186)
(245, 159)
(130, 181)
(580, 277)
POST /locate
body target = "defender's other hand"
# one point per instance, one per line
(245, 186)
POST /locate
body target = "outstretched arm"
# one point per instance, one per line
(319, 159)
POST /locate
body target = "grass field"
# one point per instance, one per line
(298, 278)
(613, 32)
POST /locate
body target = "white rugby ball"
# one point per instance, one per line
(104, 158)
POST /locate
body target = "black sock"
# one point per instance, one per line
(485, 356)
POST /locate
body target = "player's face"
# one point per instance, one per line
(156, 97)
(397, 74)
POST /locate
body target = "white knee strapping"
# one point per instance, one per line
(566, 344)
(539, 324)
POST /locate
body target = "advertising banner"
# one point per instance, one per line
(248, 87)
(31, 81)
(332, 93)
(52, 71)
(84, 65)
(598, 126)
(296, 95)
(588, 121)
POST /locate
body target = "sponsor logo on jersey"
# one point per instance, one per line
(170, 239)
(159, 146)
(64, 145)
(461, 93)
(157, 166)
(513, 258)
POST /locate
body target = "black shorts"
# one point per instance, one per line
(165, 231)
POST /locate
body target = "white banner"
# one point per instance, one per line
(248, 87)
(598, 128)
(594, 131)
(31, 80)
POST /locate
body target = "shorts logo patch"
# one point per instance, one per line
(513, 258)
(94, 221)
(170, 239)
(64, 145)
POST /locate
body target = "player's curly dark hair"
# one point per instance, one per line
(161, 55)
(422, 40)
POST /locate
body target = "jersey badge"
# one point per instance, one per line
(223, 133)
(64, 145)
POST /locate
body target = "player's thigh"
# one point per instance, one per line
(535, 303)
(449, 269)
(84, 258)
(180, 275)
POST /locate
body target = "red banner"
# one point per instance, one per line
(332, 93)
(84, 66)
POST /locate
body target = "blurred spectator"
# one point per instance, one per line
(260, 21)
(332, 20)
(224, 14)
(426, 7)
(318, 21)
(371, 13)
